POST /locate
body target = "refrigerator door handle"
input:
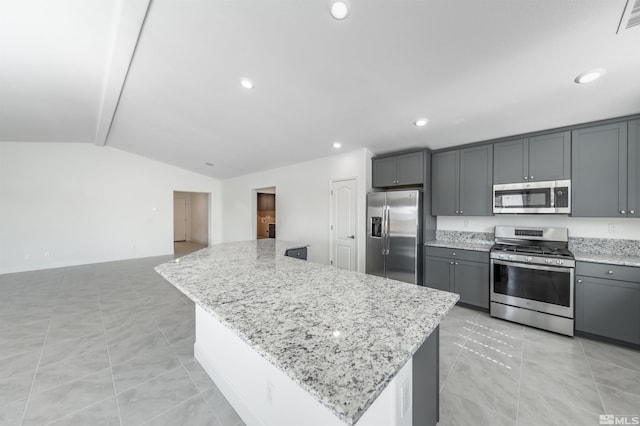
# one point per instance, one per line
(384, 230)
(388, 239)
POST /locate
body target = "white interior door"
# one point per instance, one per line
(343, 219)
(179, 219)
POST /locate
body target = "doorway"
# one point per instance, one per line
(344, 214)
(266, 213)
(190, 222)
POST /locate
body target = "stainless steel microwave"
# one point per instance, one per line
(533, 197)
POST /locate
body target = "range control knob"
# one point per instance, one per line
(511, 257)
(501, 256)
(529, 258)
(548, 261)
(560, 262)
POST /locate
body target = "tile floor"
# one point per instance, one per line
(112, 344)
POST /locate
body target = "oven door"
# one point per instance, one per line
(545, 289)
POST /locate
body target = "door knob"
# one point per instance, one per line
(353, 237)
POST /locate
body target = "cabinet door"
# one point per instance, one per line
(383, 172)
(608, 308)
(599, 171)
(438, 273)
(410, 168)
(511, 161)
(444, 183)
(550, 157)
(472, 283)
(633, 200)
(476, 186)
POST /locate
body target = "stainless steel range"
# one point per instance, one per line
(532, 277)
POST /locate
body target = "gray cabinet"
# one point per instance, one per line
(465, 272)
(608, 307)
(461, 182)
(539, 158)
(398, 170)
(599, 175)
(633, 172)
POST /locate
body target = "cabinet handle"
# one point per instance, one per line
(622, 211)
(457, 212)
(526, 178)
(579, 281)
(457, 263)
(452, 262)
(453, 254)
(610, 272)
(461, 212)
(632, 212)
(530, 177)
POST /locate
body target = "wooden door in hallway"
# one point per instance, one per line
(179, 219)
(344, 247)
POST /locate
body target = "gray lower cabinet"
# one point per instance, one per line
(539, 158)
(465, 272)
(599, 176)
(398, 170)
(608, 307)
(462, 182)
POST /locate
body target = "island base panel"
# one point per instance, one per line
(264, 395)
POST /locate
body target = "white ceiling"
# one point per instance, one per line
(477, 69)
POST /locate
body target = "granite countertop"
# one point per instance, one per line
(612, 259)
(340, 335)
(461, 245)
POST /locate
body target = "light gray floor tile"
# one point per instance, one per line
(132, 347)
(619, 402)
(450, 348)
(102, 413)
(55, 403)
(223, 411)
(184, 348)
(200, 377)
(68, 348)
(506, 359)
(144, 402)
(572, 390)
(194, 411)
(69, 369)
(544, 409)
(11, 413)
(145, 366)
(567, 357)
(460, 313)
(622, 357)
(499, 329)
(616, 377)
(16, 376)
(73, 325)
(480, 380)
(22, 338)
(130, 328)
(458, 411)
(177, 329)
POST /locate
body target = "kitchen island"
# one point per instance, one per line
(295, 342)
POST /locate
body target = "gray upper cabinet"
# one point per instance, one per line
(633, 182)
(539, 158)
(403, 169)
(461, 182)
(599, 171)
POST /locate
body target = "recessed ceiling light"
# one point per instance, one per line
(337, 145)
(208, 164)
(420, 122)
(589, 76)
(339, 9)
(246, 83)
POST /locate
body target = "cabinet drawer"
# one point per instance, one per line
(471, 255)
(613, 272)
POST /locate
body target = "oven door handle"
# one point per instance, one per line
(566, 269)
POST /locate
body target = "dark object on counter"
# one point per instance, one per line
(298, 253)
(272, 230)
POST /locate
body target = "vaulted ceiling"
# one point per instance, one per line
(161, 78)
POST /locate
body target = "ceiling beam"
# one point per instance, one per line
(128, 27)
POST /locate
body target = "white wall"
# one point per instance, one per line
(69, 204)
(302, 200)
(578, 226)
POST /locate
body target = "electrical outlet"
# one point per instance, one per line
(47, 254)
(270, 391)
(613, 228)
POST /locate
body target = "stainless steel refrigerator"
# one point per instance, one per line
(394, 235)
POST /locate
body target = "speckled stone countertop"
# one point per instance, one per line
(606, 250)
(340, 335)
(461, 240)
